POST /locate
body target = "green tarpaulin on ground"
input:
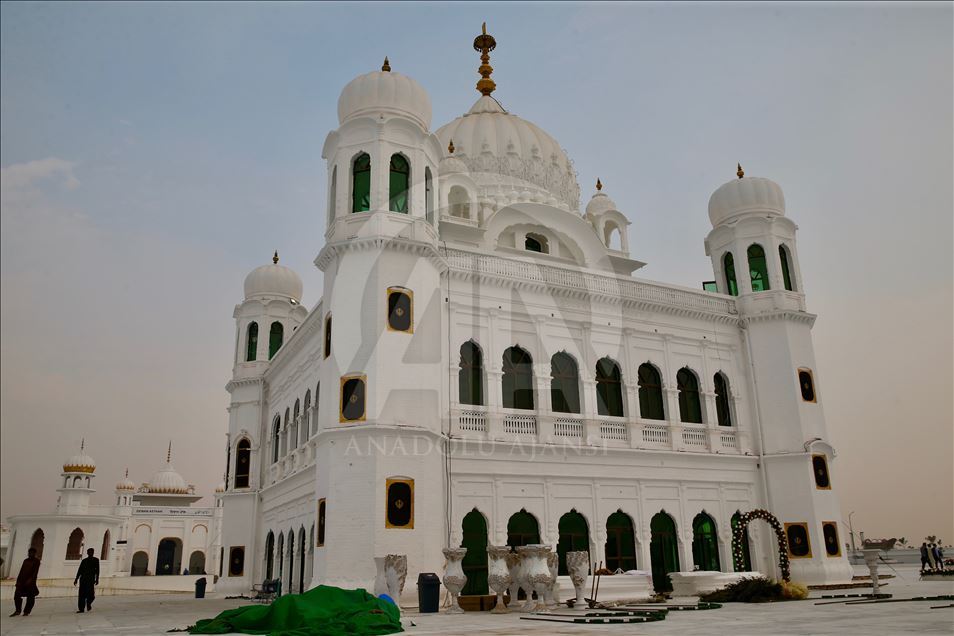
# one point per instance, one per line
(323, 611)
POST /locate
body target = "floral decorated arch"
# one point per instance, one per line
(738, 538)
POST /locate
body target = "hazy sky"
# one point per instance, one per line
(153, 154)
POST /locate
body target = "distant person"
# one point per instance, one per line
(939, 556)
(26, 584)
(88, 576)
(924, 556)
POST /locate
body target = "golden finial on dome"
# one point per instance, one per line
(599, 184)
(127, 473)
(450, 147)
(485, 44)
(82, 444)
(386, 67)
(169, 453)
(274, 260)
(740, 173)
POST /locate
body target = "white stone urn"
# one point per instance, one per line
(395, 571)
(518, 571)
(380, 581)
(553, 589)
(538, 575)
(578, 565)
(454, 577)
(498, 575)
(871, 560)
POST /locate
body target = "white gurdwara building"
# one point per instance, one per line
(153, 528)
(483, 368)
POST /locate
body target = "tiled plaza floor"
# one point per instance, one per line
(156, 614)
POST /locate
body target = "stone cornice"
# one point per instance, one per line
(802, 317)
(377, 243)
(235, 383)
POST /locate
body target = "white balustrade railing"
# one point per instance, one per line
(565, 427)
(656, 435)
(472, 421)
(695, 438)
(520, 424)
(729, 440)
(616, 431)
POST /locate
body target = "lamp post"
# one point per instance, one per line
(851, 533)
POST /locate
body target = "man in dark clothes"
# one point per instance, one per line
(88, 577)
(26, 584)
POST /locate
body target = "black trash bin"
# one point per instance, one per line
(428, 592)
(200, 587)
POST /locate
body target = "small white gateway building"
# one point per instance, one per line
(150, 529)
(483, 368)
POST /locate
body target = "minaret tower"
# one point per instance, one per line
(264, 321)
(754, 257)
(381, 375)
(77, 483)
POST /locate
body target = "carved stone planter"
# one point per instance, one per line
(498, 575)
(553, 589)
(578, 565)
(538, 575)
(395, 571)
(380, 580)
(518, 569)
(454, 577)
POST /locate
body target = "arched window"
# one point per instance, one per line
(333, 196)
(352, 398)
(786, 272)
(361, 183)
(522, 529)
(399, 184)
(741, 562)
(517, 379)
(758, 268)
(722, 399)
(470, 378)
(459, 202)
(609, 388)
(280, 556)
(275, 335)
(74, 549)
(320, 539)
(650, 393)
(620, 542)
(612, 237)
(293, 432)
(428, 196)
(705, 546)
(243, 461)
(251, 342)
(276, 437)
(291, 561)
(564, 383)
(690, 408)
(400, 309)
(197, 562)
(574, 537)
(806, 382)
(104, 551)
(140, 564)
(474, 538)
(327, 337)
(536, 243)
(399, 508)
(306, 417)
(728, 266)
(663, 550)
(237, 560)
(314, 427)
(36, 542)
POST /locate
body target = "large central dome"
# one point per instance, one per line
(506, 153)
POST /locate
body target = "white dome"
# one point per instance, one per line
(126, 483)
(743, 196)
(516, 153)
(220, 488)
(599, 204)
(385, 92)
(80, 463)
(273, 280)
(168, 481)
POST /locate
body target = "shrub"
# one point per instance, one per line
(756, 590)
(794, 591)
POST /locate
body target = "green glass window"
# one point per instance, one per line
(722, 399)
(574, 537)
(650, 393)
(609, 388)
(399, 184)
(243, 461)
(663, 551)
(522, 529)
(690, 408)
(474, 538)
(275, 335)
(705, 545)
(728, 265)
(758, 268)
(361, 183)
(251, 342)
(741, 562)
(564, 384)
(470, 378)
(620, 542)
(517, 379)
(710, 286)
(786, 273)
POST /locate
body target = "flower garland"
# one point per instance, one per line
(738, 539)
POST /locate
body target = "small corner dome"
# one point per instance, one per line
(273, 280)
(451, 165)
(126, 484)
(385, 92)
(80, 463)
(220, 488)
(168, 481)
(599, 204)
(746, 196)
